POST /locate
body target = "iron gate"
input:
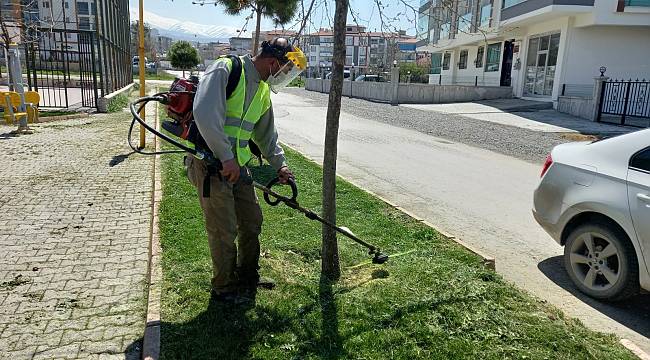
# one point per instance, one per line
(63, 67)
(625, 102)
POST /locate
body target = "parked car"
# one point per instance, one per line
(346, 74)
(373, 78)
(594, 199)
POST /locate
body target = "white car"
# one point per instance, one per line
(594, 199)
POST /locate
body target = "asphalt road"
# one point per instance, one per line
(470, 178)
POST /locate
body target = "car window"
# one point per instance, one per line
(641, 160)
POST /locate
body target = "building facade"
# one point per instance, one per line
(240, 46)
(535, 46)
(366, 52)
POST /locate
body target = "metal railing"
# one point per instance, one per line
(627, 102)
(73, 68)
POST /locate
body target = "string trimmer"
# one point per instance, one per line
(184, 122)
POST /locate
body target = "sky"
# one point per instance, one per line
(364, 10)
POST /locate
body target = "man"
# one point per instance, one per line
(230, 207)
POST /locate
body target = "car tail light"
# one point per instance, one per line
(547, 164)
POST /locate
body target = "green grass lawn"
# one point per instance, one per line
(436, 302)
(49, 113)
(161, 76)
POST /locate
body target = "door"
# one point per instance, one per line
(540, 65)
(638, 187)
(506, 66)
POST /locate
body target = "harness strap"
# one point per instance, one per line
(212, 171)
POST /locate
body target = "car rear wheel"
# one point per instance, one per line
(601, 262)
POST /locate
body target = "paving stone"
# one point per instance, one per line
(74, 229)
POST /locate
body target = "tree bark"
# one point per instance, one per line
(256, 41)
(330, 254)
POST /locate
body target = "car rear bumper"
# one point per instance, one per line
(552, 229)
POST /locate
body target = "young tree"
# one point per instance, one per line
(281, 11)
(330, 266)
(183, 56)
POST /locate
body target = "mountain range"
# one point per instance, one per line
(185, 30)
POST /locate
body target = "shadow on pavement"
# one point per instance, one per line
(633, 313)
(117, 159)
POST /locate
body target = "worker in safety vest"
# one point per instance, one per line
(230, 207)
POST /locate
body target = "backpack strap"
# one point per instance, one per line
(235, 74)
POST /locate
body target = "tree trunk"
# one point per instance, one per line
(256, 41)
(330, 253)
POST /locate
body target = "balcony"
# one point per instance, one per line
(526, 11)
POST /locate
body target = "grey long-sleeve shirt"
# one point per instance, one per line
(210, 114)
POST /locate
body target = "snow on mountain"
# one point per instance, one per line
(185, 30)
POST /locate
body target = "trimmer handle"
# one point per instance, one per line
(275, 181)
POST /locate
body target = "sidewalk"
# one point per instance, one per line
(74, 238)
(525, 114)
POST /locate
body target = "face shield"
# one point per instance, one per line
(296, 64)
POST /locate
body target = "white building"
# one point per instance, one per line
(536, 46)
(365, 52)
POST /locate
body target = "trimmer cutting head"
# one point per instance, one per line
(379, 258)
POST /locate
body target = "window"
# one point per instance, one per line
(641, 160)
(46, 4)
(509, 3)
(444, 31)
(486, 14)
(423, 26)
(479, 57)
(84, 23)
(82, 8)
(493, 57)
(67, 5)
(349, 40)
(637, 3)
(445, 61)
(465, 8)
(462, 62)
(436, 63)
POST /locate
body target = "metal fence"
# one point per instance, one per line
(72, 68)
(625, 102)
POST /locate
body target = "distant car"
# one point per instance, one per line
(346, 74)
(594, 199)
(372, 78)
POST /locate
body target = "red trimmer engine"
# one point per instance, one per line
(179, 101)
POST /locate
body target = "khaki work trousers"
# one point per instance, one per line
(232, 212)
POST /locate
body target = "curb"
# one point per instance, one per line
(151, 339)
(488, 261)
(642, 355)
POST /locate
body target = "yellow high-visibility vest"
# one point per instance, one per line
(239, 125)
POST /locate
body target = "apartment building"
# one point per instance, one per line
(535, 46)
(366, 52)
(240, 46)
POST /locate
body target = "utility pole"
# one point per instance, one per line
(141, 69)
